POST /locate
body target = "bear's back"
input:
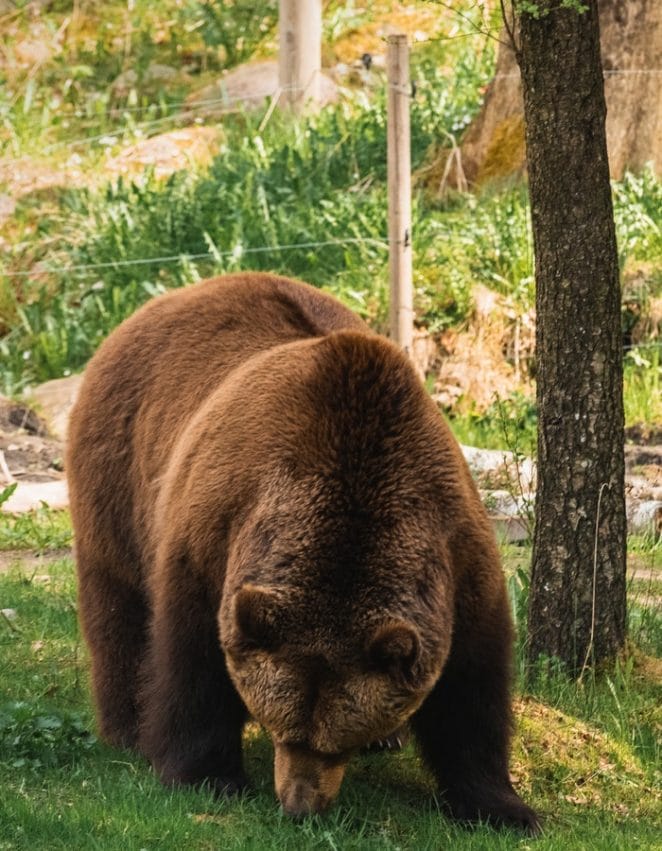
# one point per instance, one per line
(154, 372)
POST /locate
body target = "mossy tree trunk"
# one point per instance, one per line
(577, 604)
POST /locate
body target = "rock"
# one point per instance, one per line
(26, 451)
(29, 496)
(511, 516)
(25, 175)
(17, 416)
(168, 152)
(510, 530)
(155, 77)
(630, 38)
(248, 86)
(33, 52)
(645, 517)
(55, 399)
(499, 464)
(425, 351)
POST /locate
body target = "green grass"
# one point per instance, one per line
(509, 423)
(39, 530)
(585, 755)
(291, 183)
(643, 386)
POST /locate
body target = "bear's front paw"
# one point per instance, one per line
(227, 787)
(203, 776)
(502, 808)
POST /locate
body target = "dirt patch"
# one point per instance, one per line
(419, 24)
(32, 562)
(645, 433)
(29, 452)
(248, 86)
(488, 358)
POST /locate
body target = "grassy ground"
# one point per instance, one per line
(586, 755)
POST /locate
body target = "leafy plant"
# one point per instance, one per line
(543, 8)
(32, 739)
(40, 530)
(6, 492)
(643, 386)
(509, 423)
(235, 26)
(638, 215)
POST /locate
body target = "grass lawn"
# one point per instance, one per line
(586, 756)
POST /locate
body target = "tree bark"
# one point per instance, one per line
(631, 41)
(577, 603)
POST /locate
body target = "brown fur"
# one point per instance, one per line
(271, 517)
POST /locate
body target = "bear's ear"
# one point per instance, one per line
(394, 649)
(255, 612)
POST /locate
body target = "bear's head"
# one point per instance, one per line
(323, 696)
(335, 628)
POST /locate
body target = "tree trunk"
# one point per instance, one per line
(631, 41)
(577, 603)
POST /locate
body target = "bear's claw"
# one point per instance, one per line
(395, 742)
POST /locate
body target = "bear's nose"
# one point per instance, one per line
(300, 800)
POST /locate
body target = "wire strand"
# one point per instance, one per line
(186, 112)
(182, 257)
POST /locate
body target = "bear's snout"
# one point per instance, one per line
(306, 781)
(300, 800)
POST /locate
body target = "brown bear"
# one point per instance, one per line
(272, 518)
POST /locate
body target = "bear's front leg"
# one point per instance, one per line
(192, 717)
(464, 725)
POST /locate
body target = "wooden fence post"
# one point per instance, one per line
(299, 52)
(399, 192)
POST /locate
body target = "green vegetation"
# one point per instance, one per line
(509, 423)
(43, 529)
(586, 754)
(318, 184)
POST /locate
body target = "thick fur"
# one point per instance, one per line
(271, 517)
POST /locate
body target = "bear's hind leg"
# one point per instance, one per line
(464, 725)
(114, 618)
